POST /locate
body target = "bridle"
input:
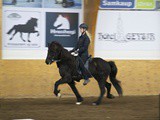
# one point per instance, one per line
(53, 60)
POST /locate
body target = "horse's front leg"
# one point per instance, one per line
(56, 91)
(36, 32)
(74, 89)
(63, 80)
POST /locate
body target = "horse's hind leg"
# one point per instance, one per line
(108, 86)
(36, 32)
(21, 36)
(74, 89)
(29, 37)
(101, 84)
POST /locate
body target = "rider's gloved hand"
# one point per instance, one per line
(75, 53)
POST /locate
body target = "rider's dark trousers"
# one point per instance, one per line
(84, 71)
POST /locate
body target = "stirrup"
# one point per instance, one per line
(86, 82)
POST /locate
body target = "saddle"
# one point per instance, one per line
(78, 74)
(86, 65)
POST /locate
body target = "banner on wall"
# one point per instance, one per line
(71, 4)
(27, 29)
(22, 29)
(127, 35)
(145, 4)
(62, 27)
(128, 4)
(114, 4)
(157, 5)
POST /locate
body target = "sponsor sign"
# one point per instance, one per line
(23, 3)
(26, 29)
(70, 4)
(22, 29)
(62, 27)
(157, 5)
(126, 35)
(114, 4)
(128, 4)
(145, 4)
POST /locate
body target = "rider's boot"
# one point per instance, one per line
(86, 81)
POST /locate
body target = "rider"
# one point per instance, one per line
(82, 49)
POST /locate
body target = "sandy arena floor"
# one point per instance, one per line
(124, 108)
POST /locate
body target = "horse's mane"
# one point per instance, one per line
(65, 54)
(32, 21)
(56, 43)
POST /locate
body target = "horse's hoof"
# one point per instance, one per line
(120, 95)
(78, 103)
(59, 95)
(95, 104)
(110, 96)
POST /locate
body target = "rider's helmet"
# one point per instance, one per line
(84, 26)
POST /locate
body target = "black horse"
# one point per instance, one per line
(99, 68)
(29, 27)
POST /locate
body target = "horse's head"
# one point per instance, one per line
(54, 52)
(32, 22)
(59, 21)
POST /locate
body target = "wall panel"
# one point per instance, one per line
(33, 78)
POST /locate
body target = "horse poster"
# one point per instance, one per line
(128, 4)
(23, 3)
(63, 27)
(71, 4)
(29, 25)
(22, 29)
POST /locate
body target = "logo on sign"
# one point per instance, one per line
(61, 23)
(14, 16)
(145, 4)
(120, 37)
(117, 4)
(62, 27)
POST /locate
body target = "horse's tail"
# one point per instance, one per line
(9, 32)
(115, 82)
